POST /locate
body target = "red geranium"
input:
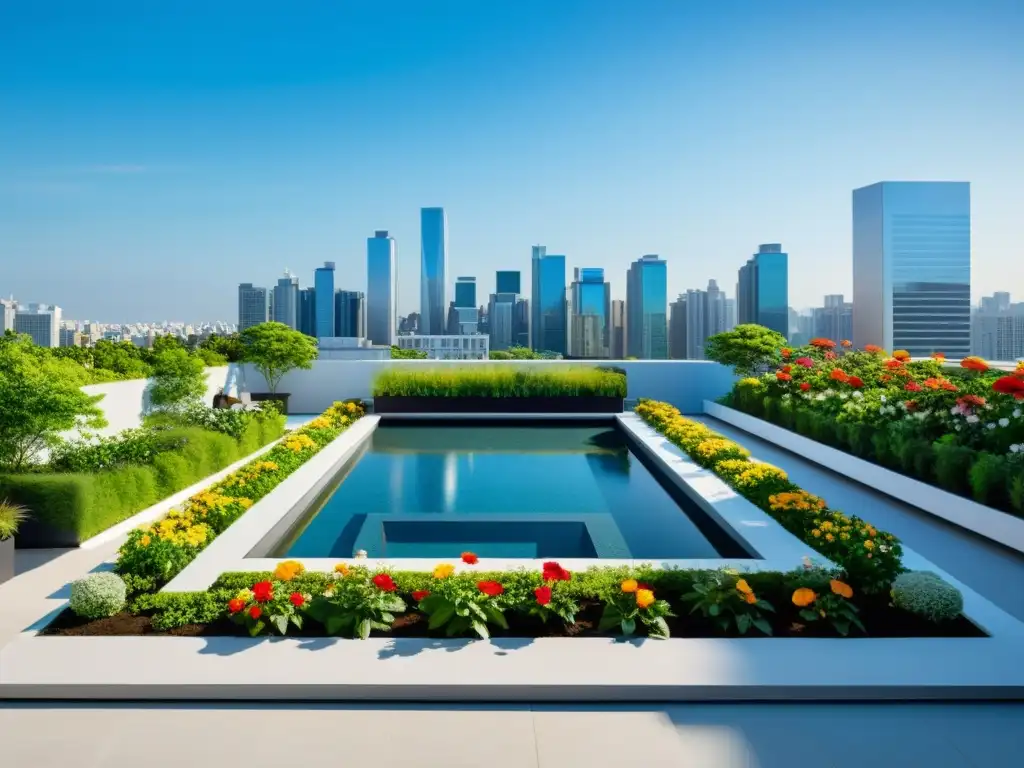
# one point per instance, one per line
(296, 599)
(783, 376)
(255, 612)
(236, 605)
(806, 362)
(805, 385)
(838, 374)
(419, 594)
(263, 591)
(490, 588)
(913, 386)
(469, 558)
(855, 381)
(384, 582)
(543, 595)
(554, 572)
(1009, 385)
(786, 352)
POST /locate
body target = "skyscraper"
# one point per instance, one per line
(323, 283)
(997, 329)
(677, 328)
(253, 305)
(762, 290)
(548, 332)
(307, 311)
(590, 314)
(465, 292)
(349, 313)
(507, 281)
(286, 300)
(433, 271)
(832, 321)
(618, 340)
(706, 315)
(912, 266)
(8, 308)
(41, 322)
(381, 288)
(647, 309)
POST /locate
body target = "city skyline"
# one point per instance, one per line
(121, 162)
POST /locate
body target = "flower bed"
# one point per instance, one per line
(960, 429)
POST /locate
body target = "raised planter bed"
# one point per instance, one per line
(566, 404)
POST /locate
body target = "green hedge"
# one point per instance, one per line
(500, 381)
(73, 507)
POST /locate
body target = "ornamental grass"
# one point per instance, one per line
(499, 381)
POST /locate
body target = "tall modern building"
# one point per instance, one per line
(647, 309)
(286, 300)
(433, 271)
(41, 322)
(521, 323)
(547, 329)
(706, 315)
(590, 314)
(8, 308)
(997, 329)
(677, 328)
(507, 281)
(323, 283)
(307, 311)
(381, 288)
(349, 314)
(618, 340)
(253, 305)
(762, 290)
(912, 266)
(832, 321)
(465, 292)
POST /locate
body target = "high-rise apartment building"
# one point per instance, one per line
(548, 326)
(521, 323)
(618, 323)
(590, 314)
(381, 288)
(762, 290)
(349, 314)
(997, 329)
(647, 309)
(8, 308)
(323, 284)
(253, 305)
(286, 300)
(832, 321)
(912, 267)
(307, 311)
(41, 322)
(677, 328)
(433, 271)
(507, 281)
(706, 315)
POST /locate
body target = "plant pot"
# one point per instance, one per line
(281, 398)
(224, 401)
(563, 404)
(6, 559)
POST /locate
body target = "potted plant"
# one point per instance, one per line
(274, 349)
(11, 516)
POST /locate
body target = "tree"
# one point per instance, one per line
(229, 347)
(397, 353)
(39, 402)
(747, 348)
(273, 349)
(178, 379)
(121, 357)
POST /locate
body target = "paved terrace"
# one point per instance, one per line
(695, 736)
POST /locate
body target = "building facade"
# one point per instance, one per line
(590, 314)
(381, 288)
(433, 271)
(549, 310)
(647, 309)
(508, 281)
(762, 289)
(307, 311)
(912, 267)
(8, 308)
(349, 314)
(618, 323)
(253, 305)
(997, 329)
(677, 328)
(39, 321)
(323, 284)
(832, 321)
(286, 300)
(448, 347)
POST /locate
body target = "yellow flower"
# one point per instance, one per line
(144, 541)
(341, 568)
(288, 570)
(629, 585)
(815, 533)
(244, 594)
(841, 589)
(804, 597)
(743, 587)
(644, 597)
(869, 544)
(443, 571)
(829, 537)
(751, 598)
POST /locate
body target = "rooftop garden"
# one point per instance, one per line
(958, 427)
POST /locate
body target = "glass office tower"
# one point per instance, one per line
(433, 271)
(912, 267)
(548, 331)
(381, 288)
(507, 281)
(762, 289)
(323, 284)
(465, 292)
(253, 305)
(590, 317)
(307, 311)
(647, 309)
(286, 300)
(349, 314)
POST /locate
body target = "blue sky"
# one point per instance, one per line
(153, 155)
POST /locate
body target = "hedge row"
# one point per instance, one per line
(500, 381)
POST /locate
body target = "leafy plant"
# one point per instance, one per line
(927, 595)
(635, 602)
(98, 596)
(268, 604)
(499, 381)
(746, 348)
(274, 349)
(833, 606)
(729, 601)
(356, 603)
(178, 379)
(397, 353)
(459, 604)
(11, 517)
(139, 446)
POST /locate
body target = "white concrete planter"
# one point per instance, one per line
(991, 523)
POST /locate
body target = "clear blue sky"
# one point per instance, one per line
(153, 155)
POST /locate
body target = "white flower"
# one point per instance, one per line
(858, 395)
(972, 419)
(990, 425)
(954, 411)
(819, 397)
(1004, 422)
(843, 395)
(1015, 448)
(1016, 413)
(958, 427)
(883, 548)
(883, 398)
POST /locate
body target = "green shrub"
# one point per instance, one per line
(926, 594)
(11, 516)
(953, 466)
(98, 595)
(989, 480)
(915, 457)
(176, 609)
(499, 381)
(1016, 489)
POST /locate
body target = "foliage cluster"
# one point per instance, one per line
(499, 381)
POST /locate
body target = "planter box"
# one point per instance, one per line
(567, 404)
(280, 398)
(991, 523)
(6, 560)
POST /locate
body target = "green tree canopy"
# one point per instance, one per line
(178, 379)
(121, 357)
(274, 349)
(746, 348)
(229, 347)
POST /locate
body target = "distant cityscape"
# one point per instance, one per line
(911, 290)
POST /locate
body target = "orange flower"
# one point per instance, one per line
(974, 364)
(872, 349)
(841, 589)
(783, 376)
(629, 585)
(938, 357)
(846, 343)
(902, 355)
(750, 597)
(892, 363)
(341, 568)
(839, 375)
(823, 343)
(804, 597)
(644, 598)
(743, 587)
(786, 352)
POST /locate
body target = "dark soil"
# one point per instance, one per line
(878, 616)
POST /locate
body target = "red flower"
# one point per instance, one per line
(830, 355)
(263, 591)
(419, 594)
(384, 582)
(787, 369)
(931, 383)
(236, 605)
(1009, 385)
(490, 588)
(296, 599)
(783, 376)
(806, 362)
(892, 364)
(911, 405)
(839, 375)
(543, 595)
(555, 572)
(846, 343)
(913, 386)
(947, 385)
(805, 385)
(885, 378)
(855, 381)
(469, 558)
(255, 612)
(938, 356)
(872, 349)
(786, 352)
(974, 364)
(823, 343)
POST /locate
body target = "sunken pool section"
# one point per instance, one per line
(506, 490)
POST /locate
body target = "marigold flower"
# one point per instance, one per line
(938, 356)
(263, 591)
(644, 598)
(869, 544)
(554, 572)
(805, 385)
(341, 568)
(255, 612)
(629, 585)
(235, 605)
(490, 588)
(804, 597)
(145, 540)
(785, 352)
(384, 582)
(1009, 385)
(750, 598)
(974, 364)
(419, 594)
(296, 599)
(443, 571)
(892, 364)
(901, 354)
(841, 589)
(872, 349)
(543, 595)
(783, 376)
(823, 343)
(469, 558)
(288, 570)
(838, 374)
(743, 587)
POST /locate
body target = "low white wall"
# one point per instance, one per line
(685, 384)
